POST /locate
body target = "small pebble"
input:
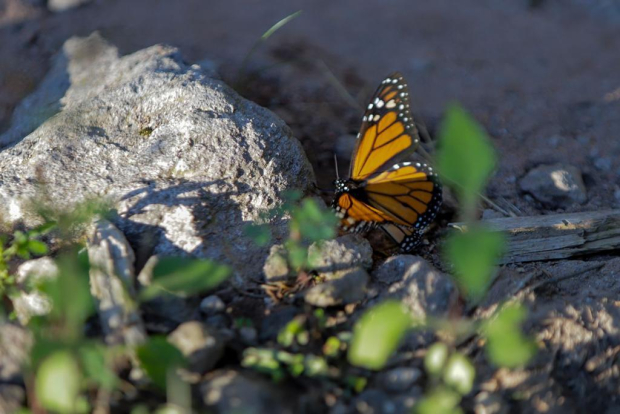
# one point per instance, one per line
(248, 334)
(212, 305)
(603, 164)
(399, 379)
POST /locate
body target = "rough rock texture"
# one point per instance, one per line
(344, 253)
(185, 161)
(341, 263)
(166, 311)
(398, 379)
(228, 392)
(112, 280)
(417, 284)
(62, 5)
(573, 316)
(276, 268)
(348, 287)
(31, 302)
(200, 344)
(373, 401)
(15, 344)
(555, 186)
(212, 305)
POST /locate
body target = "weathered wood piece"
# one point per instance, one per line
(557, 236)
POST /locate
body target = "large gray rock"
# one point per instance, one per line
(417, 284)
(185, 161)
(555, 186)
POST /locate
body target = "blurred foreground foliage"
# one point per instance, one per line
(66, 365)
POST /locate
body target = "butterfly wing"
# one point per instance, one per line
(387, 131)
(409, 193)
(357, 216)
(400, 197)
(407, 238)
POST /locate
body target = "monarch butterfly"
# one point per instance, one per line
(383, 189)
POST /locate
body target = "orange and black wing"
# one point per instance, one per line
(408, 193)
(387, 131)
(407, 238)
(357, 216)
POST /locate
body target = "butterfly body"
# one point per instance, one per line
(385, 188)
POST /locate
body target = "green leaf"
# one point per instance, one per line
(263, 38)
(42, 229)
(435, 358)
(465, 156)
(95, 367)
(263, 360)
(440, 401)
(459, 373)
(37, 247)
(20, 238)
(506, 345)
(157, 357)
(72, 277)
(358, 384)
(315, 366)
(474, 254)
(185, 276)
(287, 335)
(313, 222)
(259, 233)
(140, 409)
(297, 254)
(58, 383)
(331, 348)
(377, 334)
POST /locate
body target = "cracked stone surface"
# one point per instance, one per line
(183, 159)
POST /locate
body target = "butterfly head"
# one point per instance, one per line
(341, 186)
(346, 186)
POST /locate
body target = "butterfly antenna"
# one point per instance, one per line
(336, 164)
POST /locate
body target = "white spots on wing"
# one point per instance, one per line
(395, 80)
(364, 118)
(376, 118)
(350, 220)
(391, 104)
(358, 135)
(400, 86)
(370, 106)
(380, 103)
(401, 107)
